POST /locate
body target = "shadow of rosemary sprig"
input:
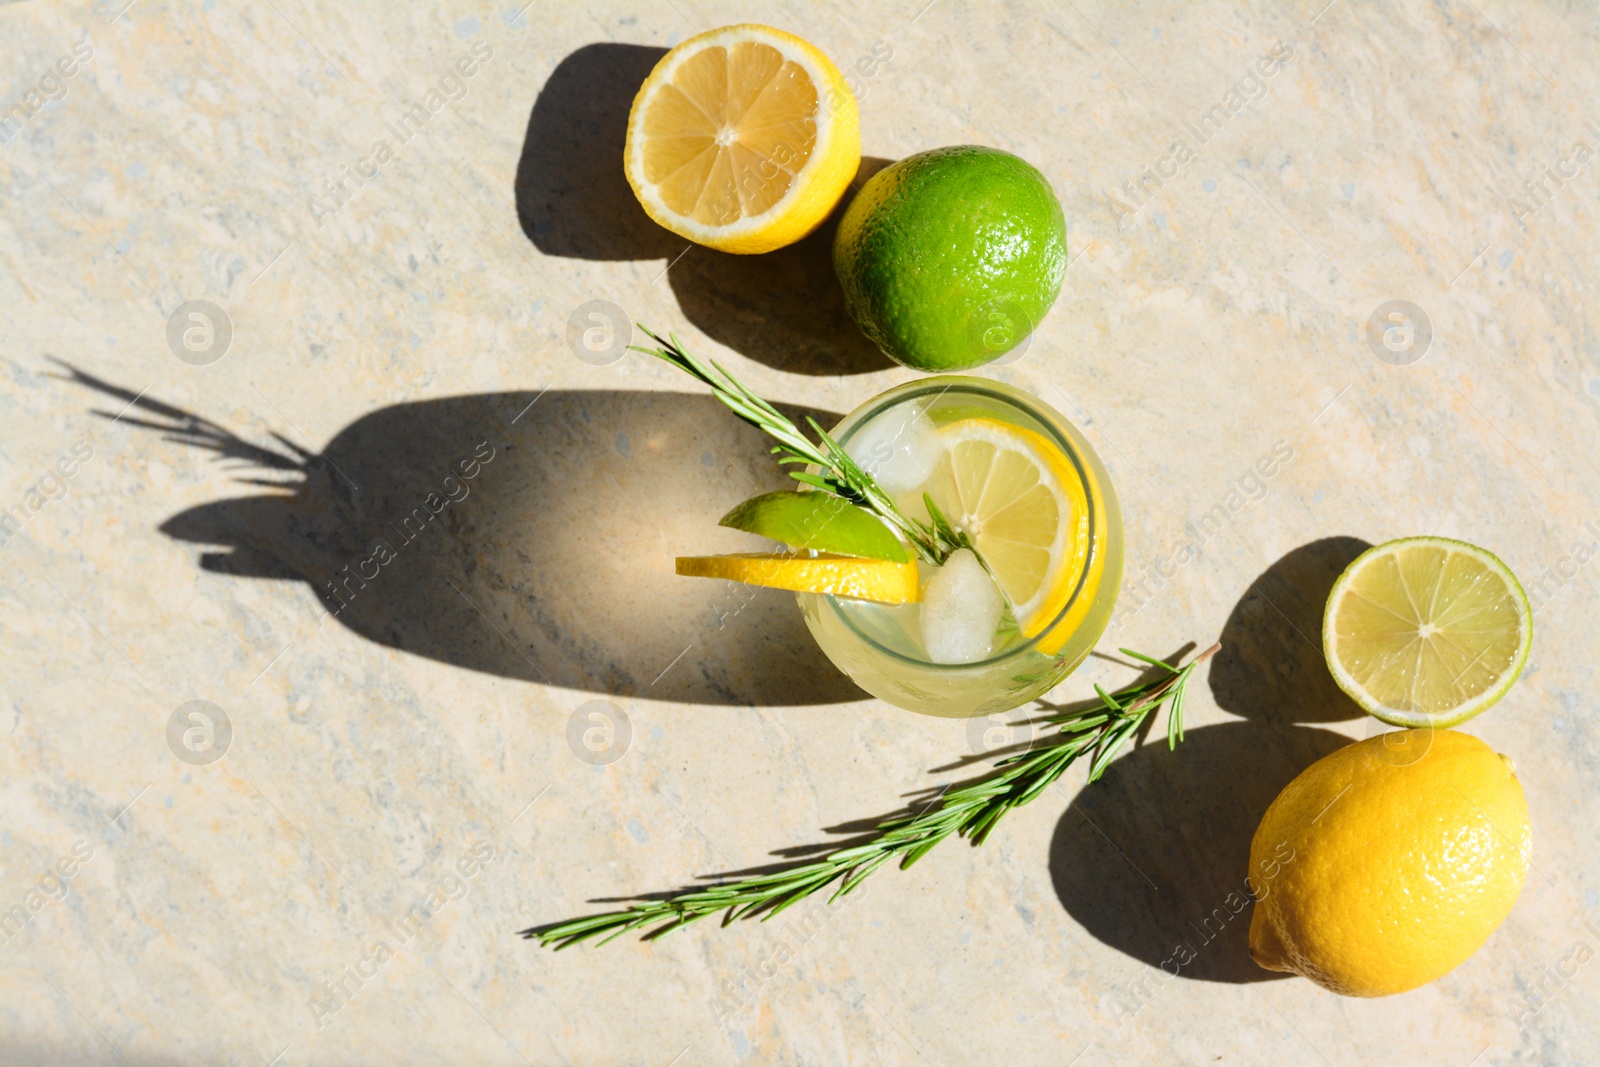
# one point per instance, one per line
(970, 810)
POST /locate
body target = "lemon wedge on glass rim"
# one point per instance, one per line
(881, 580)
(1022, 502)
(742, 139)
(1426, 631)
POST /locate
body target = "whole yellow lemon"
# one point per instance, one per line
(1387, 863)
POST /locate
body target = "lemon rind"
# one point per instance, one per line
(1032, 617)
(833, 123)
(854, 578)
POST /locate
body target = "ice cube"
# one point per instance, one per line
(961, 609)
(899, 448)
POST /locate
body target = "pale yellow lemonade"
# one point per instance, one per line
(1022, 482)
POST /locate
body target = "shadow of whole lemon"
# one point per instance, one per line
(949, 258)
(1386, 864)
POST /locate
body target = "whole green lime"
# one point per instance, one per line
(950, 258)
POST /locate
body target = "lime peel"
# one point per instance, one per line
(819, 521)
(949, 258)
(1426, 631)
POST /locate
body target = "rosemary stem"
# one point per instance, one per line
(836, 472)
(971, 810)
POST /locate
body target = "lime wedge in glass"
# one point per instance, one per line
(1426, 631)
(819, 521)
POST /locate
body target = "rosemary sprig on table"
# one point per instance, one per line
(840, 475)
(970, 810)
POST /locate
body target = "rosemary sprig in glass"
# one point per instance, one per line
(970, 810)
(839, 474)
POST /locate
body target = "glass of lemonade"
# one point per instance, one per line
(1024, 485)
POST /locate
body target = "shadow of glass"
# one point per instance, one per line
(1271, 665)
(1151, 859)
(525, 535)
(783, 308)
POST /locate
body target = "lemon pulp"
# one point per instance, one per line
(742, 139)
(880, 580)
(1021, 501)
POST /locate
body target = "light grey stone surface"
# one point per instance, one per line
(1214, 317)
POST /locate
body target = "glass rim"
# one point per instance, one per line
(1048, 418)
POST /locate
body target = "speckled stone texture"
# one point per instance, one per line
(400, 538)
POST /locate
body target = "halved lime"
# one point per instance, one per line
(1426, 631)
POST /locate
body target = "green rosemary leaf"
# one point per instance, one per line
(1175, 715)
(919, 851)
(1163, 664)
(811, 479)
(839, 474)
(1087, 723)
(860, 875)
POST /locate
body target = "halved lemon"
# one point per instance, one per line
(742, 139)
(1020, 499)
(881, 580)
(1426, 631)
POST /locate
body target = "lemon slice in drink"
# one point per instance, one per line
(881, 580)
(742, 139)
(1426, 631)
(1021, 501)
